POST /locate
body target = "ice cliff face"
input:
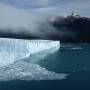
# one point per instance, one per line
(30, 51)
(12, 50)
(35, 58)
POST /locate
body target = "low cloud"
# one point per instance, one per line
(33, 20)
(24, 22)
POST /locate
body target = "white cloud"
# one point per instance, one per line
(77, 6)
(24, 22)
(34, 20)
(61, 7)
(28, 3)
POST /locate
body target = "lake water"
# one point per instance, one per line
(71, 59)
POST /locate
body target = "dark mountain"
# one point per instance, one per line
(78, 28)
(72, 28)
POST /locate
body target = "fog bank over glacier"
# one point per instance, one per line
(23, 23)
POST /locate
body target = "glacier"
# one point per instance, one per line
(19, 59)
(36, 58)
(12, 50)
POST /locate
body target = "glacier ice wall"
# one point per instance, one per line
(12, 50)
(36, 58)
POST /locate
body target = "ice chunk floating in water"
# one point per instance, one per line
(26, 71)
(12, 50)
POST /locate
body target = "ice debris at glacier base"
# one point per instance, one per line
(26, 71)
(12, 50)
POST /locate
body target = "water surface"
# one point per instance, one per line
(72, 59)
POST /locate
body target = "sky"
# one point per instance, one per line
(59, 7)
(30, 17)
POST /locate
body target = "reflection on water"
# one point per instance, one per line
(70, 58)
(42, 55)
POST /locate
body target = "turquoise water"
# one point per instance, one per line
(72, 59)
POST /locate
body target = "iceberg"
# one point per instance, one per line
(12, 50)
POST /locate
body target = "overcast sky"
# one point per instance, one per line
(31, 16)
(61, 7)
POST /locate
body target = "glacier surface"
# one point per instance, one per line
(12, 50)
